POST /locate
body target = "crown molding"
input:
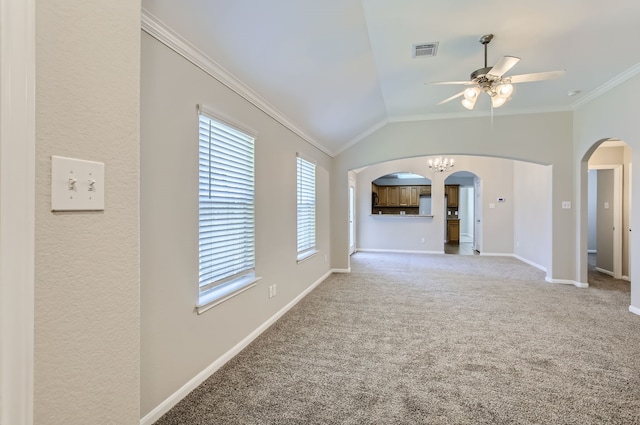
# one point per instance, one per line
(161, 32)
(615, 81)
(362, 135)
(478, 114)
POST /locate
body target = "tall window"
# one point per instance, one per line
(306, 209)
(226, 210)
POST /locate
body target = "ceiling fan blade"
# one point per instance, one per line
(505, 64)
(466, 83)
(538, 76)
(451, 98)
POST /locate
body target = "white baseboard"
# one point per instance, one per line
(174, 398)
(627, 278)
(531, 263)
(634, 310)
(401, 251)
(496, 254)
(567, 282)
(607, 272)
(341, 270)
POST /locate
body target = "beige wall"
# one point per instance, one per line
(613, 114)
(177, 344)
(405, 233)
(532, 212)
(539, 138)
(86, 263)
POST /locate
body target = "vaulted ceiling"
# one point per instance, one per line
(338, 69)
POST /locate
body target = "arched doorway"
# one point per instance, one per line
(608, 215)
(462, 213)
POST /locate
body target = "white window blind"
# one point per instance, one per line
(226, 204)
(306, 208)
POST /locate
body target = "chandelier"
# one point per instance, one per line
(441, 164)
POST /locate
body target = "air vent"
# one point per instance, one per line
(425, 49)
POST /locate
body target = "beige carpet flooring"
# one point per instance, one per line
(435, 339)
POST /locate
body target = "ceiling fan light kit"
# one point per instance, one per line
(491, 80)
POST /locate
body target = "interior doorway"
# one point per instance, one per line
(460, 213)
(352, 224)
(608, 211)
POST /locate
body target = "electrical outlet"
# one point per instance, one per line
(422, 240)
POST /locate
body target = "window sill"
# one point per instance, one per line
(304, 257)
(218, 295)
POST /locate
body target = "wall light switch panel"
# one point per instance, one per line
(492, 205)
(566, 205)
(76, 184)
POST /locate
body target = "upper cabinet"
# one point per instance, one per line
(451, 192)
(401, 193)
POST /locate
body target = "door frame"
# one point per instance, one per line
(477, 214)
(617, 215)
(352, 216)
(17, 209)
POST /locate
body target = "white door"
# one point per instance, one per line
(477, 207)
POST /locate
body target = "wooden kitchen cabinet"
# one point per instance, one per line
(414, 196)
(393, 199)
(383, 196)
(453, 231)
(452, 195)
(403, 196)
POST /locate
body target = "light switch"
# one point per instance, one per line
(606, 205)
(566, 205)
(492, 205)
(76, 184)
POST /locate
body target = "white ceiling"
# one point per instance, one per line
(338, 69)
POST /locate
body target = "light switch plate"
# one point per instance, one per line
(566, 205)
(76, 184)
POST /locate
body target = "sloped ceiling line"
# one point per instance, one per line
(161, 32)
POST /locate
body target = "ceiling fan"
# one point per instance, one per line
(491, 80)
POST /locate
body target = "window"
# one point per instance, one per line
(306, 209)
(226, 212)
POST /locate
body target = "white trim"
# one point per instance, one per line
(531, 263)
(400, 251)
(218, 295)
(362, 135)
(615, 81)
(607, 272)
(627, 278)
(341, 270)
(165, 35)
(567, 282)
(17, 209)
(496, 254)
(477, 114)
(592, 251)
(174, 398)
(634, 310)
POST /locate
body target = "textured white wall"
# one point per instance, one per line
(611, 115)
(177, 344)
(87, 263)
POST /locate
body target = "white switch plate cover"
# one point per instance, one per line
(566, 205)
(71, 188)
